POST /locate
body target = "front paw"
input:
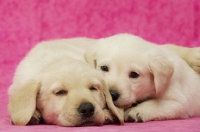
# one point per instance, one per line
(109, 117)
(132, 115)
(36, 118)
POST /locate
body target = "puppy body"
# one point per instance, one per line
(177, 99)
(138, 70)
(55, 80)
(44, 83)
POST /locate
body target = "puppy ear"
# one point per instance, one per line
(22, 103)
(118, 112)
(162, 70)
(90, 55)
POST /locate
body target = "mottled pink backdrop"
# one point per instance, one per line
(23, 23)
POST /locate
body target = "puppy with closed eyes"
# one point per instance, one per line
(54, 83)
(137, 70)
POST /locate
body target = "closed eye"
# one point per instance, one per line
(93, 88)
(60, 92)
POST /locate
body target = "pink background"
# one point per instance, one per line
(23, 23)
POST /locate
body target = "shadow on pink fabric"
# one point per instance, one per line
(24, 23)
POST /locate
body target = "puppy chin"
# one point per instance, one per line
(125, 102)
(65, 121)
(93, 121)
(78, 121)
(89, 123)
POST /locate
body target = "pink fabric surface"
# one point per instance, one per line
(23, 23)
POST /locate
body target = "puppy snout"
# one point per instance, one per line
(86, 109)
(114, 94)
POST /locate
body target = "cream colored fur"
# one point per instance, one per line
(58, 65)
(53, 80)
(171, 86)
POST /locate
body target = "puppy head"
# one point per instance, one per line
(133, 68)
(65, 95)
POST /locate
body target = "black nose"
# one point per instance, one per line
(114, 94)
(86, 109)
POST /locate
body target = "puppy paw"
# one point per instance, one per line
(193, 58)
(151, 110)
(109, 117)
(141, 113)
(132, 115)
(36, 118)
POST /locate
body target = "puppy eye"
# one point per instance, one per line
(93, 88)
(104, 68)
(134, 75)
(61, 92)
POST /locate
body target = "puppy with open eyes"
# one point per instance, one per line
(54, 83)
(137, 70)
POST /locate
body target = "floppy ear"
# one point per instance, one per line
(118, 112)
(162, 70)
(90, 55)
(22, 103)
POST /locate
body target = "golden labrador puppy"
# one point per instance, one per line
(137, 70)
(54, 83)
